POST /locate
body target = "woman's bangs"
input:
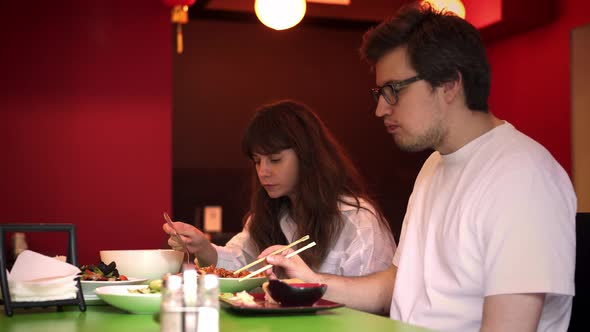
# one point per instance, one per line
(264, 139)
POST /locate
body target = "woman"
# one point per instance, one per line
(303, 184)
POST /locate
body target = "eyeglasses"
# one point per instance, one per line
(390, 90)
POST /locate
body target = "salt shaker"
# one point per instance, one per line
(189, 275)
(171, 307)
(208, 303)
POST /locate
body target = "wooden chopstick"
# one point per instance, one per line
(174, 232)
(177, 237)
(266, 267)
(305, 238)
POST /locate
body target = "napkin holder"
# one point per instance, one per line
(71, 258)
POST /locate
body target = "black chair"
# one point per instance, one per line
(71, 258)
(579, 319)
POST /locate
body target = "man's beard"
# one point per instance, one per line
(429, 140)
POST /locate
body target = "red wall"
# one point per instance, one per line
(531, 79)
(86, 121)
(86, 95)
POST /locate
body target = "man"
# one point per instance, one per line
(488, 239)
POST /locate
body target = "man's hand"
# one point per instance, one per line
(294, 267)
(370, 293)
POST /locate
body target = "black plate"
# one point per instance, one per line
(263, 307)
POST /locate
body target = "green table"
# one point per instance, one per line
(109, 319)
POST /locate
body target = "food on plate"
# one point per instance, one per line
(223, 273)
(101, 272)
(61, 258)
(241, 298)
(226, 295)
(268, 298)
(155, 286)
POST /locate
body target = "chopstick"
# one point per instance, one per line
(171, 224)
(177, 237)
(305, 238)
(266, 267)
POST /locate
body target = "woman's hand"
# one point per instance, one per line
(196, 242)
(294, 267)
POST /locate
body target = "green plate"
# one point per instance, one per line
(232, 285)
(119, 297)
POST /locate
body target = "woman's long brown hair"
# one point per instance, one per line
(326, 176)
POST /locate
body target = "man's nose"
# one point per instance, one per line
(383, 108)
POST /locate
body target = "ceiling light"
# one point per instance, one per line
(455, 6)
(332, 2)
(280, 14)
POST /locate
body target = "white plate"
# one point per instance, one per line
(119, 297)
(89, 286)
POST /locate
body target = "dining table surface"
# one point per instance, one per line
(101, 318)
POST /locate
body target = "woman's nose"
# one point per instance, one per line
(263, 169)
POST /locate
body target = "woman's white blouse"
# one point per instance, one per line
(363, 247)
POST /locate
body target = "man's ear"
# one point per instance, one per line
(453, 88)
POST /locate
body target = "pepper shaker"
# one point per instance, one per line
(208, 303)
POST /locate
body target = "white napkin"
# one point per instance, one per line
(35, 277)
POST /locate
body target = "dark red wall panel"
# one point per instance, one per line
(85, 107)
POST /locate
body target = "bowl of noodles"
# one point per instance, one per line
(229, 283)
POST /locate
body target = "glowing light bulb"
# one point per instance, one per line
(280, 14)
(455, 6)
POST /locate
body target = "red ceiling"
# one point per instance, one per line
(479, 13)
(495, 18)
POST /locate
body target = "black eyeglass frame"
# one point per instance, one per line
(395, 89)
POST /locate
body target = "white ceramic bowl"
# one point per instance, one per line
(148, 264)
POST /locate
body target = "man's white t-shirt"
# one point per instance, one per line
(495, 217)
(363, 246)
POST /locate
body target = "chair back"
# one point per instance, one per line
(579, 319)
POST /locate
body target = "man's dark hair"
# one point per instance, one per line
(440, 45)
